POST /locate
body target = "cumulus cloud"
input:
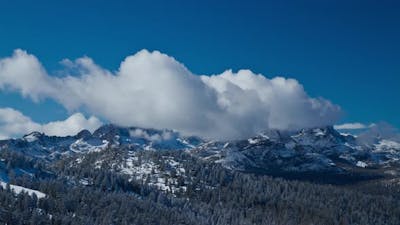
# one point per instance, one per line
(151, 89)
(24, 73)
(71, 126)
(14, 124)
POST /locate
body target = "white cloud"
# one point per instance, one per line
(24, 73)
(14, 124)
(151, 89)
(165, 135)
(351, 126)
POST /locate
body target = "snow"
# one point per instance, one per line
(31, 137)
(318, 132)
(190, 146)
(18, 189)
(97, 164)
(139, 171)
(78, 160)
(388, 145)
(80, 146)
(361, 164)
(84, 182)
(252, 141)
(151, 172)
(264, 136)
(173, 163)
(226, 145)
(347, 134)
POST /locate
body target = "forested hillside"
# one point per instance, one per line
(78, 193)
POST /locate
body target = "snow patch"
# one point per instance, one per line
(361, 164)
(252, 141)
(31, 137)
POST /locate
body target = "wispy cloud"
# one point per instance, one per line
(151, 89)
(352, 126)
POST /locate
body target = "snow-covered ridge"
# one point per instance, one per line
(306, 150)
(314, 149)
(42, 146)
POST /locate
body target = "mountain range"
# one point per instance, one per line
(307, 151)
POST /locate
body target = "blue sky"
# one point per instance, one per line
(344, 51)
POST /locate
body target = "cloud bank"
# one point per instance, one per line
(14, 124)
(151, 89)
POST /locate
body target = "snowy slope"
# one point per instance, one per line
(18, 189)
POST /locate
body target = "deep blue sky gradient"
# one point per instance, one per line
(345, 51)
